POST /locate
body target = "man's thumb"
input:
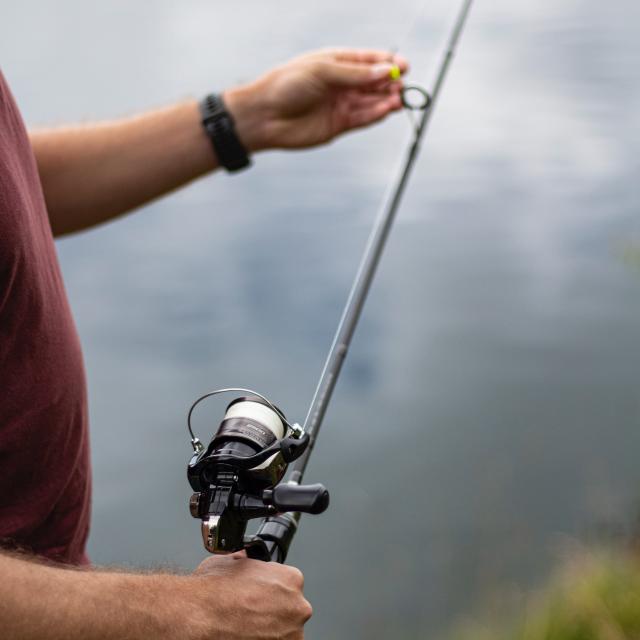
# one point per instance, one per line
(347, 74)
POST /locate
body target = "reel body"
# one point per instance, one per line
(238, 477)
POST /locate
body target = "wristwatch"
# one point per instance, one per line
(220, 128)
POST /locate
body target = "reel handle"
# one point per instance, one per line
(271, 542)
(309, 498)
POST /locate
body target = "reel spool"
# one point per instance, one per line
(238, 477)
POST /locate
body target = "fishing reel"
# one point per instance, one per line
(238, 478)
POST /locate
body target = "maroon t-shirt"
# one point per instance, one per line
(44, 451)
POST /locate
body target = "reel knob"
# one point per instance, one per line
(306, 498)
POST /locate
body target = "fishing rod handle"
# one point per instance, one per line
(273, 539)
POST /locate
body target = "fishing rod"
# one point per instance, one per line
(239, 476)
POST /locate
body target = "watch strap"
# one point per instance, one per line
(220, 127)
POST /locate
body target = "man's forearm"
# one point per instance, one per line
(224, 600)
(50, 603)
(95, 172)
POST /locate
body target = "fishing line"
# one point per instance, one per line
(414, 96)
(401, 43)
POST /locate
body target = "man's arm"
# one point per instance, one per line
(93, 173)
(229, 598)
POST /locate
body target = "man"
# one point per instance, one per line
(60, 181)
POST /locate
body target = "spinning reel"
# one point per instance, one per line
(238, 477)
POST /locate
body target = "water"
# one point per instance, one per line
(489, 407)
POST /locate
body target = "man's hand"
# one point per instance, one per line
(246, 599)
(316, 97)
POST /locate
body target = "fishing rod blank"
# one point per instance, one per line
(371, 258)
(238, 476)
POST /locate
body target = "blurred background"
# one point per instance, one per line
(489, 409)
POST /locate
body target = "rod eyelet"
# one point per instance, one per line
(415, 98)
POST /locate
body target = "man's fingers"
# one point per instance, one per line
(381, 87)
(378, 93)
(366, 100)
(363, 116)
(370, 56)
(355, 72)
(347, 74)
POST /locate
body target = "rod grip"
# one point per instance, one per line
(271, 542)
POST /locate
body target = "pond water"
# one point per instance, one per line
(489, 409)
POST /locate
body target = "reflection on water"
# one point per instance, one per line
(489, 406)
